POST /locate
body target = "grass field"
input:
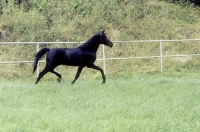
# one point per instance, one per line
(141, 102)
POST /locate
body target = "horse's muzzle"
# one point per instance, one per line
(110, 44)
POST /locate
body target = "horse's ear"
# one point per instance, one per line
(102, 32)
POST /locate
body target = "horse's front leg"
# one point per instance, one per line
(77, 74)
(93, 66)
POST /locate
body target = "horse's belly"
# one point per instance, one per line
(79, 59)
(73, 61)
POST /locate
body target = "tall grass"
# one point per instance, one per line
(146, 102)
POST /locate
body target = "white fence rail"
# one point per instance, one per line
(160, 44)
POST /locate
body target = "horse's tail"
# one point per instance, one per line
(38, 56)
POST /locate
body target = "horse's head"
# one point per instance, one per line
(104, 39)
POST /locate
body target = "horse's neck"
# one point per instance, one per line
(91, 44)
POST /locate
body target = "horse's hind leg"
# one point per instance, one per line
(77, 74)
(46, 69)
(57, 74)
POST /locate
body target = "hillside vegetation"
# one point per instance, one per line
(77, 20)
(67, 20)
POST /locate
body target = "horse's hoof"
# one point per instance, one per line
(59, 80)
(103, 81)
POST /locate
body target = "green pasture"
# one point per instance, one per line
(139, 102)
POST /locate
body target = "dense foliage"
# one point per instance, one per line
(45, 20)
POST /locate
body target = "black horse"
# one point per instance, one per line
(84, 55)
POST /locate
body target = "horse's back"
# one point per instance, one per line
(64, 56)
(71, 57)
(56, 55)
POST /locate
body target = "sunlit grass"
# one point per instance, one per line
(147, 102)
